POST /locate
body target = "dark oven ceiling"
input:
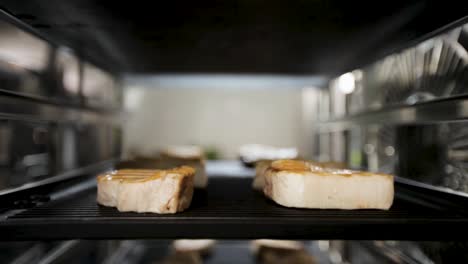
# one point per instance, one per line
(247, 36)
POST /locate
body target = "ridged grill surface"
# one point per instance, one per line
(233, 198)
(228, 208)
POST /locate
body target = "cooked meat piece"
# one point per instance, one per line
(157, 191)
(262, 166)
(295, 183)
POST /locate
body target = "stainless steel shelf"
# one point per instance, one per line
(423, 113)
(20, 108)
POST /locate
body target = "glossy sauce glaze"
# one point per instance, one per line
(136, 175)
(317, 168)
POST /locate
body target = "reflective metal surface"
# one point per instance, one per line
(39, 141)
(231, 251)
(100, 89)
(427, 113)
(25, 61)
(19, 48)
(33, 151)
(434, 69)
(67, 69)
(32, 67)
(25, 109)
(27, 152)
(405, 114)
(48, 252)
(435, 154)
(59, 115)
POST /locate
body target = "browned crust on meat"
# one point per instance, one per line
(185, 193)
(290, 165)
(329, 164)
(304, 167)
(135, 175)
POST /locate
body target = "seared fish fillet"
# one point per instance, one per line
(262, 166)
(295, 183)
(156, 191)
(186, 155)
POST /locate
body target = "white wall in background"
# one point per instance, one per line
(225, 118)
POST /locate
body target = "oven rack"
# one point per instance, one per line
(231, 209)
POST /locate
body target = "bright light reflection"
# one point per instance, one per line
(346, 83)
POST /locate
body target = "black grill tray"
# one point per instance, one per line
(230, 209)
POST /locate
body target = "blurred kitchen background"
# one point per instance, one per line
(219, 115)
